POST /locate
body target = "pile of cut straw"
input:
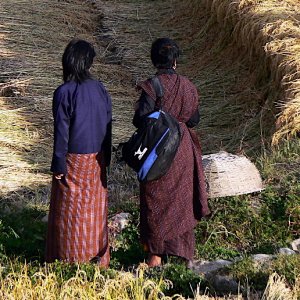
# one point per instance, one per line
(267, 33)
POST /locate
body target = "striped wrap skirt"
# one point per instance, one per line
(77, 225)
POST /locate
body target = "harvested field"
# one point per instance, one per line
(242, 58)
(33, 35)
(242, 55)
(31, 49)
(251, 50)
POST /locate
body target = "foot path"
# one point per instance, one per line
(126, 32)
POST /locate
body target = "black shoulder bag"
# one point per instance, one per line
(152, 148)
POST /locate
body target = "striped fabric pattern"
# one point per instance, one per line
(77, 226)
(171, 206)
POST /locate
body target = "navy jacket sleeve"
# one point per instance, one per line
(62, 110)
(107, 143)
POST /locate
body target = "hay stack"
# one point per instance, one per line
(230, 175)
(270, 29)
(267, 34)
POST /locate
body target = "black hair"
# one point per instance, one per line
(164, 52)
(77, 59)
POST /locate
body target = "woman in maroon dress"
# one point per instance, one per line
(172, 205)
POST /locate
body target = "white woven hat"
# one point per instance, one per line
(230, 175)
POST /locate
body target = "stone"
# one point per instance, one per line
(262, 257)
(207, 267)
(120, 220)
(45, 218)
(224, 285)
(296, 245)
(286, 251)
(262, 260)
(116, 225)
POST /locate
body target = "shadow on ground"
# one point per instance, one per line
(23, 225)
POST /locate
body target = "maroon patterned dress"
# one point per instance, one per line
(172, 205)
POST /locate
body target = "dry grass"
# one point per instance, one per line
(46, 283)
(127, 31)
(277, 289)
(265, 34)
(33, 35)
(32, 38)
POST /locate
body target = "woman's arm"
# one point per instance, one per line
(61, 115)
(107, 142)
(194, 120)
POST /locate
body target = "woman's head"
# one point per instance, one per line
(77, 60)
(164, 53)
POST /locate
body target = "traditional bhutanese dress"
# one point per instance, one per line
(172, 205)
(77, 226)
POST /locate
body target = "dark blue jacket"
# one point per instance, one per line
(82, 115)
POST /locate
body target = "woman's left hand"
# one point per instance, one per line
(58, 176)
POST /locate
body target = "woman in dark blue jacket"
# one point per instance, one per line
(77, 227)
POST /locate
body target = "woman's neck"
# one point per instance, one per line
(165, 71)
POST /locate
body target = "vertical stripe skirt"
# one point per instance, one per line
(77, 226)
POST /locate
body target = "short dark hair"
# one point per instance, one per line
(164, 52)
(77, 59)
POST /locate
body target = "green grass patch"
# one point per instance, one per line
(22, 231)
(256, 275)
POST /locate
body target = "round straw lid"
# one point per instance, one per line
(230, 175)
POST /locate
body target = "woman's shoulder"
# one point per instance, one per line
(96, 83)
(142, 83)
(99, 88)
(147, 87)
(188, 85)
(100, 84)
(186, 80)
(65, 87)
(72, 85)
